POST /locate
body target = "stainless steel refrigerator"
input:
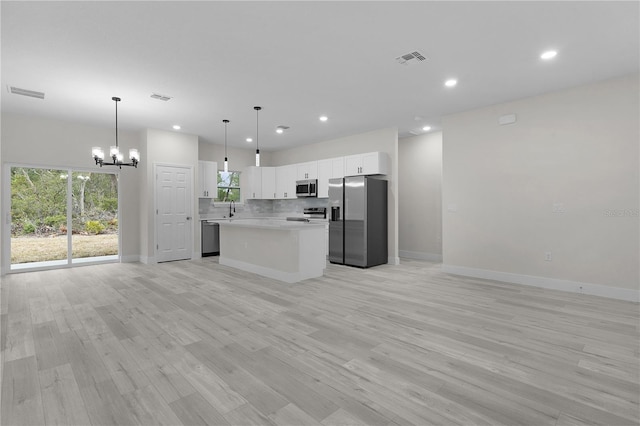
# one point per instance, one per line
(358, 221)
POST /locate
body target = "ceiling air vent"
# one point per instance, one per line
(25, 92)
(160, 97)
(411, 58)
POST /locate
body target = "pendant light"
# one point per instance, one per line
(114, 151)
(257, 108)
(226, 161)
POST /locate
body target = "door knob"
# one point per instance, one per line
(188, 217)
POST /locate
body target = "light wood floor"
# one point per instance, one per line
(198, 343)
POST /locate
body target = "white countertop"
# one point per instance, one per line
(272, 224)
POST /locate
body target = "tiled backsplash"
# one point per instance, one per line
(260, 208)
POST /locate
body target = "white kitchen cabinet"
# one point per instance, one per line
(286, 182)
(328, 169)
(371, 163)
(268, 183)
(308, 170)
(207, 179)
(252, 183)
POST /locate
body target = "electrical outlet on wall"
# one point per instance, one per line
(547, 256)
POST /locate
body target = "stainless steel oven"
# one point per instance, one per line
(307, 188)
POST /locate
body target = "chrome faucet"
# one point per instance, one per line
(234, 208)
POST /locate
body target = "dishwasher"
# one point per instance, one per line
(210, 238)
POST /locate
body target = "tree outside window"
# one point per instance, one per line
(228, 186)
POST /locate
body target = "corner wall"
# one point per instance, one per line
(561, 183)
(420, 197)
(383, 140)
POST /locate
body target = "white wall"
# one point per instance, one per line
(420, 197)
(166, 148)
(44, 142)
(578, 148)
(383, 140)
(239, 158)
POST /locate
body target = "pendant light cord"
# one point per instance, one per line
(225, 138)
(257, 108)
(116, 99)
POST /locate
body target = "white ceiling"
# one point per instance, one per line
(299, 60)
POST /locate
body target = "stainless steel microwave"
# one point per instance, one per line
(307, 188)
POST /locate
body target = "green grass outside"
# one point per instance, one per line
(42, 249)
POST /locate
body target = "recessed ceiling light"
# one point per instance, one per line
(176, 127)
(249, 140)
(280, 130)
(549, 54)
(323, 118)
(426, 128)
(451, 82)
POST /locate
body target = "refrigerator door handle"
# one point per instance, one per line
(335, 214)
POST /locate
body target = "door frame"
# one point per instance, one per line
(190, 168)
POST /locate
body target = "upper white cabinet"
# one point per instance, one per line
(268, 183)
(308, 170)
(328, 169)
(286, 181)
(207, 179)
(252, 183)
(371, 163)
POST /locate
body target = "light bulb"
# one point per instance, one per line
(451, 82)
(134, 155)
(114, 151)
(257, 158)
(549, 54)
(226, 165)
(97, 152)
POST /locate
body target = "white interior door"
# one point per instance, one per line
(173, 211)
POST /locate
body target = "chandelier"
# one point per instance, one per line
(114, 151)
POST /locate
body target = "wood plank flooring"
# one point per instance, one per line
(196, 343)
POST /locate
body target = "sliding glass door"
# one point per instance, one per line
(62, 217)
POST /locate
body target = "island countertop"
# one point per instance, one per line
(271, 224)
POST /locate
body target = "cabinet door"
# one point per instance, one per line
(325, 172)
(337, 167)
(268, 183)
(353, 165)
(370, 163)
(202, 192)
(252, 188)
(286, 181)
(307, 170)
(207, 179)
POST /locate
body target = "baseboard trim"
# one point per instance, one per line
(148, 260)
(130, 258)
(419, 255)
(550, 283)
(393, 260)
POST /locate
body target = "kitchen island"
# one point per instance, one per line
(279, 249)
